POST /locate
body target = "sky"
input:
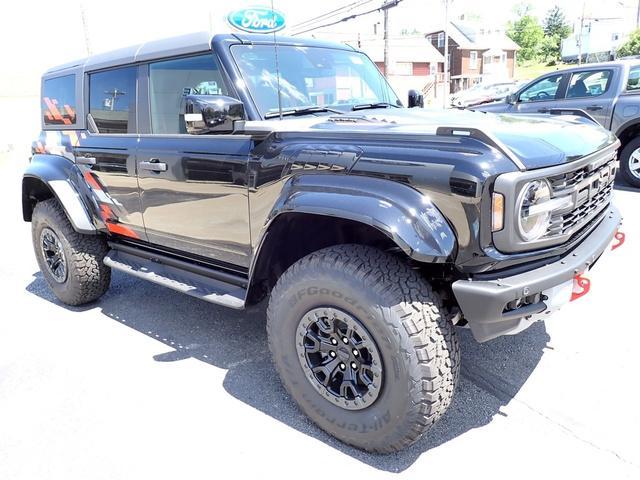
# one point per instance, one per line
(36, 35)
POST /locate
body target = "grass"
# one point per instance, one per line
(531, 70)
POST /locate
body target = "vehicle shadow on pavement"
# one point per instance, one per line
(492, 373)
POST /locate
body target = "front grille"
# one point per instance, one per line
(588, 190)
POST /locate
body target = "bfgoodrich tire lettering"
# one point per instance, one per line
(87, 277)
(418, 345)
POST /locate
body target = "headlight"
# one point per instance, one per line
(533, 214)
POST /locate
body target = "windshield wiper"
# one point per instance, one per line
(366, 106)
(302, 111)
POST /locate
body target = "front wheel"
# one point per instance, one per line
(630, 162)
(361, 343)
(70, 262)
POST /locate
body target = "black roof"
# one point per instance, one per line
(183, 45)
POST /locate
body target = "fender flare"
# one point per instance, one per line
(626, 125)
(405, 215)
(61, 177)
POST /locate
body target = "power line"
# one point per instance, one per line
(384, 6)
(332, 13)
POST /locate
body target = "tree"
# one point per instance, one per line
(555, 29)
(631, 46)
(528, 34)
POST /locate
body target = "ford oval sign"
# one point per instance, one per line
(256, 20)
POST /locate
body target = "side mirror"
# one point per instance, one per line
(415, 99)
(211, 113)
(512, 98)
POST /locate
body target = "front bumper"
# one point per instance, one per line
(483, 302)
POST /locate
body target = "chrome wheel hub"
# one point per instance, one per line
(634, 163)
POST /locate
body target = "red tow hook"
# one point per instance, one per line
(581, 286)
(620, 238)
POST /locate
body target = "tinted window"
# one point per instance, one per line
(588, 84)
(171, 80)
(542, 90)
(59, 101)
(112, 96)
(633, 82)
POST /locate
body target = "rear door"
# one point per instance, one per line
(107, 156)
(591, 90)
(541, 95)
(193, 187)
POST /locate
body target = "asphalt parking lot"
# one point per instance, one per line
(149, 383)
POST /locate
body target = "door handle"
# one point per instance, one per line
(593, 108)
(86, 160)
(543, 110)
(153, 165)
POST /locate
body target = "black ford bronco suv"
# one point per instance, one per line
(234, 168)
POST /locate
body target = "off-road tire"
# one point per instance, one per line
(87, 277)
(625, 157)
(418, 346)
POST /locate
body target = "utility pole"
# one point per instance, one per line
(85, 29)
(385, 26)
(638, 16)
(385, 34)
(447, 86)
(580, 35)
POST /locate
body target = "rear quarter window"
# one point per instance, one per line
(633, 80)
(59, 101)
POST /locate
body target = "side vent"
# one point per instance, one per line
(464, 187)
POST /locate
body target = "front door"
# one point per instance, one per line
(193, 187)
(107, 157)
(540, 96)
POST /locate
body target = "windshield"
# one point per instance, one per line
(310, 77)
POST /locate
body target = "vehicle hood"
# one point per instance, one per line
(537, 140)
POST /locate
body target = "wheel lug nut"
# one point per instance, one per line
(345, 339)
(353, 365)
(334, 341)
(332, 354)
(342, 366)
(355, 352)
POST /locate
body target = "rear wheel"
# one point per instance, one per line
(71, 263)
(630, 162)
(362, 345)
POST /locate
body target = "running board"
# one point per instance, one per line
(195, 284)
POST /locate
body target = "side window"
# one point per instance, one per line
(171, 80)
(633, 81)
(112, 97)
(542, 90)
(588, 84)
(59, 101)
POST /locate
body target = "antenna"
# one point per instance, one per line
(275, 47)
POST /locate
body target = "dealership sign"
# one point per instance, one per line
(256, 20)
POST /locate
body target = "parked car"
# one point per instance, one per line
(202, 165)
(609, 92)
(483, 93)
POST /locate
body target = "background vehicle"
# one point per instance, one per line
(198, 165)
(606, 91)
(483, 93)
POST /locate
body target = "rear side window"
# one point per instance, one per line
(171, 80)
(588, 84)
(633, 82)
(112, 97)
(59, 101)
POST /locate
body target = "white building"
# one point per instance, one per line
(600, 40)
